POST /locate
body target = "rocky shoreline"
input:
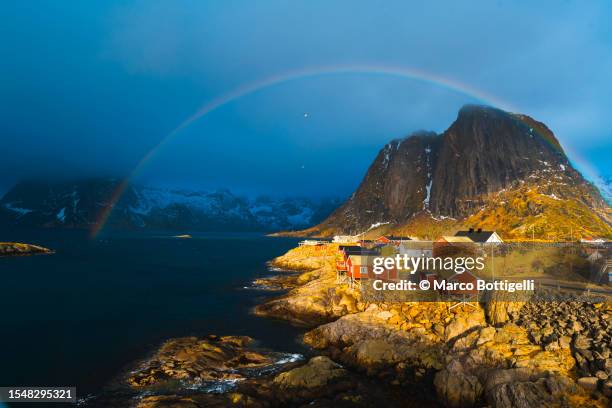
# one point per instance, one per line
(19, 249)
(502, 354)
(230, 371)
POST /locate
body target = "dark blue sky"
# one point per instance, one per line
(88, 88)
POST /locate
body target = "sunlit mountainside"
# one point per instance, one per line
(490, 169)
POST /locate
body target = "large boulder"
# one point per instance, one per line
(318, 372)
(368, 341)
(504, 367)
(457, 389)
(463, 322)
(499, 305)
(319, 300)
(519, 395)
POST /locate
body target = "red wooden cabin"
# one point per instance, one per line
(345, 251)
(360, 266)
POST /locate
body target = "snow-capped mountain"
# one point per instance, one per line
(80, 205)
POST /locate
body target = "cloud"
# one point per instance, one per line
(122, 75)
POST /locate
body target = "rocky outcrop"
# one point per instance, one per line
(499, 305)
(306, 258)
(277, 282)
(584, 329)
(492, 362)
(18, 249)
(373, 341)
(472, 355)
(193, 359)
(319, 372)
(472, 361)
(319, 382)
(517, 388)
(318, 300)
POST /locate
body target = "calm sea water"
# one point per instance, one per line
(81, 316)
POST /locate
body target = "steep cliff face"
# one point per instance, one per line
(396, 186)
(484, 160)
(486, 150)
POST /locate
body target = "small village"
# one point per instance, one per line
(355, 258)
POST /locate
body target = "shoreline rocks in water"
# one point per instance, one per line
(508, 352)
(195, 360)
(402, 354)
(318, 383)
(173, 375)
(317, 299)
(19, 249)
(275, 283)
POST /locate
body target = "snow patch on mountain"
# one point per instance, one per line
(61, 215)
(18, 210)
(80, 204)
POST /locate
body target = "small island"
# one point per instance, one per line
(20, 249)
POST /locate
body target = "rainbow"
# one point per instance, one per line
(406, 73)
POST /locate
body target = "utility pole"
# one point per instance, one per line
(492, 263)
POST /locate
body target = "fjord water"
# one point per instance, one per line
(81, 316)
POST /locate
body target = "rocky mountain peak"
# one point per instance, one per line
(454, 175)
(491, 150)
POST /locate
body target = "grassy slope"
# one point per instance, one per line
(529, 211)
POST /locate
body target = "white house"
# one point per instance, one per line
(416, 248)
(345, 239)
(481, 237)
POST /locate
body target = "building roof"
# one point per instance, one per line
(476, 235)
(456, 239)
(311, 242)
(357, 250)
(464, 276)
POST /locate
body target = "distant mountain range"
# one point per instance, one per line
(79, 204)
(490, 169)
